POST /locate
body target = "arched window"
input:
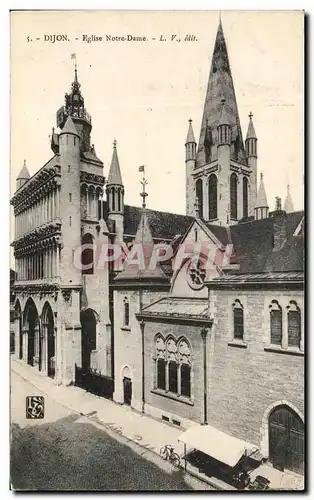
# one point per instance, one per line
(126, 312)
(119, 199)
(161, 363)
(185, 368)
(87, 254)
(113, 200)
(212, 196)
(245, 197)
(294, 325)
(275, 323)
(173, 364)
(238, 323)
(207, 145)
(199, 195)
(233, 196)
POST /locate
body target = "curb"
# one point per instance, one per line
(118, 435)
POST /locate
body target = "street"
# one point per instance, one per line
(67, 451)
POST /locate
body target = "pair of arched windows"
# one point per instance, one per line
(173, 365)
(293, 324)
(213, 196)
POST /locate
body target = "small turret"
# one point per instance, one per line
(251, 139)
(288, 206)
(115, 193)
(251, 153)
(23, 176)
(190, 144)
(261, 209)
(190, 159)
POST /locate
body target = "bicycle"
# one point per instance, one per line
(167, 453)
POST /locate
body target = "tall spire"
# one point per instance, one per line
(114, 176)
(220, 85)
(288, 206)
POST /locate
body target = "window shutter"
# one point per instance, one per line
(276, 327)
(186, 380)
(161, 374)
(173, 377)
(238, 323)
(294, 328)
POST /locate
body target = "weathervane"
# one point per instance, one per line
(144, 182)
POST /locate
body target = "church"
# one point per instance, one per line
(219, 344)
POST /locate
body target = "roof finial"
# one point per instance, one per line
(251, 115)
(73, 56)
(114, 143)
(262, 175)
(144, 182)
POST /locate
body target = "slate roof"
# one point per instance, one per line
(252, 240)
(163, 225)
(253, 246)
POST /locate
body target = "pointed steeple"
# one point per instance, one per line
(114, 176)
(190, 137)
(23, 176)
(141, 271)
(251, 131)
(220, 85)
(24, 173)
(261, 200)
(288, 206)
(261, 209)
(69, 127)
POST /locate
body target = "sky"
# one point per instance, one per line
(143, 93)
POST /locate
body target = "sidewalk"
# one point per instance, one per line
(141, 429)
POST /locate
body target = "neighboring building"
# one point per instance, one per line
(222, 345)
(12, 312)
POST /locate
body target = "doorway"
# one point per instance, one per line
(127, 391)
(286, 440)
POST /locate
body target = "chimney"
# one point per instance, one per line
(279, 227)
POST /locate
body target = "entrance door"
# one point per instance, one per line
(286, 440)
(88, 322)
(127, 390)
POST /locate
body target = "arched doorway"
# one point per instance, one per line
(286, 439)
(88, 323)
(31, 323)
(18, 328)
(47, 346)
(127, 385)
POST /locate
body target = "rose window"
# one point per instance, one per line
(196, 274)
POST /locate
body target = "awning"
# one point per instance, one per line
(217, 444)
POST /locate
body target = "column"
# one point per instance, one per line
(179, 378)
(204, 337)
(58, 201)
(53, 203)
(58, 260)
(284, 341)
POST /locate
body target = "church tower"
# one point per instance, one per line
(115, 194)
(74, 107)
(221, 176)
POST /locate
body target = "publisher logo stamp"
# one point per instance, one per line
(35, 407)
